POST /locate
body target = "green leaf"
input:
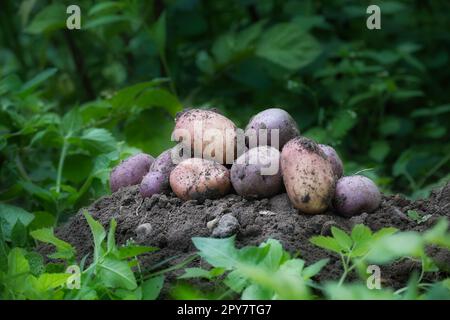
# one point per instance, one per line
(158, 33)
(64, 250)
(114, 273)
(335, 291)
(49, 281)
(152, 287)
(51, 17)
(256, 292)
(217, 252)
(201, 273)
(17, 263)
(274, 256)
(72, 122)
(439, 235)
(311, 270)
(111, 241)
(328, 243)
(379, 150)
(286, 45)
(104, 6)
(102, 21)
(98, 140)
(38, 79)
(98, 233)
(12, 214)
(342, 238)
(361, 233)
(19, 234)
(384, 232)
(430, 112)
(3, 249)
(390, 248)
(131, 251)
(36, 263)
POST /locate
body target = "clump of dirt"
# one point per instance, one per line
(174, 222)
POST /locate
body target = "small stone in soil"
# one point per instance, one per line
(143, 231)
(227, 226)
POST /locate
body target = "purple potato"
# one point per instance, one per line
(336, 162)
(257, 173)
(271, 119)
(130, 171)
(355, 195)
(154, 182)
(157, 179)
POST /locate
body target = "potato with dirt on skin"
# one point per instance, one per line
(157, 179)
(355, 195)
(257, 173)
(200, 179)
(270, 119)
(130, 171)
(308, 175)
(336, 162)
(211, 135)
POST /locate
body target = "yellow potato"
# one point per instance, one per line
(207, 134)
(200, 179)
(308, 175)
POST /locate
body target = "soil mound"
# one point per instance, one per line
(174, 223)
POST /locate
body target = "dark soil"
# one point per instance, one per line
(175, 222)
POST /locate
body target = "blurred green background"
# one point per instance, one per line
(75, 102)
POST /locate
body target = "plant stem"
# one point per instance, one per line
(167, 70)
(62, 158)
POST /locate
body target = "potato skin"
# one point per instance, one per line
(157, 179)
(246, 176)
(273, 118)
(355, 195)
(130, 171)
(153, 182)
(209, 120)
(200, 179)
(307, 175)
(336, 162)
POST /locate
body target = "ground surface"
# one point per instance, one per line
(174, 223)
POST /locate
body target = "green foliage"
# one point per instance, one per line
(110, 274)
(264, 272)
(75, 103)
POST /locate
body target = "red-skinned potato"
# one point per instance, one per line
(269, 119)
(212, 135)
(130, 171)
(257, 173)
(307, 175)
(336, 162)
(355, 195)
(200, 179)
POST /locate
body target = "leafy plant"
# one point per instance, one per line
(264, 272)
(109, 275)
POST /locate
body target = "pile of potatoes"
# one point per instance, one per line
(248, 163)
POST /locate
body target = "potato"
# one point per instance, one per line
(307, 175)
(157, 179)
(271, 119)
(336, 162)
(154, 182)
(130, 171)
(257, 173)
(200, 179)
(355, 195)
(208, 134)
